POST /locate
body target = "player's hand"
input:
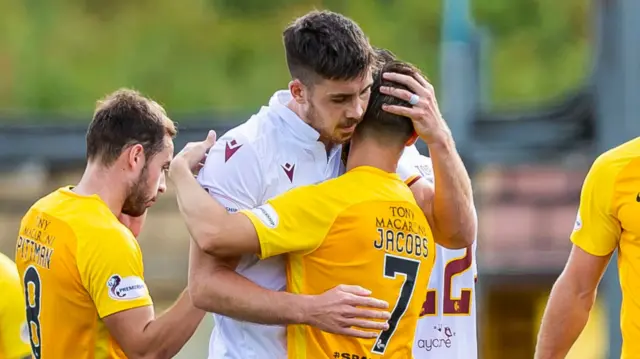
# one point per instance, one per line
(133, 223)
(193, 154)
(426, 116)
(345, 310)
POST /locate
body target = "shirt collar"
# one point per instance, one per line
(298, 128)
(375, 171)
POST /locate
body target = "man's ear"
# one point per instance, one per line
(298, 91)
(135, 156)
(412, 139)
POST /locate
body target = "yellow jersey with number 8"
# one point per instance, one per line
(363, 228)
(609, 218)
(78, 264)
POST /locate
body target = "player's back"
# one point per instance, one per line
(56, 249)
(379, 240)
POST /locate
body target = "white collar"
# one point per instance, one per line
(298, 128)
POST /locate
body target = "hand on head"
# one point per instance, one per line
(424, 113)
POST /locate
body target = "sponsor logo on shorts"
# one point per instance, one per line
(267, 215)
(127, 288)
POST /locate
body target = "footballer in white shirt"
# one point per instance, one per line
(296, 140)
(447, 325)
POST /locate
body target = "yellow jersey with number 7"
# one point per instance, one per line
(609, 218)
(363, 228)
(78, 264)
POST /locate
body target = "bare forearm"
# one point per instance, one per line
(564, 319)
(171, 330)
(453, 214)
(201, 213)
(219, 289)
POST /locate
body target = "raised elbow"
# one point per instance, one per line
(460, 237)
(209, 239)
(197, 295)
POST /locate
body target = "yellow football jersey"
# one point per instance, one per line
(363, 228)
(608, 218)
(14, 339)
(78, 264)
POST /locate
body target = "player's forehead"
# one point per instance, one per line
(344, 87)
(166, 154)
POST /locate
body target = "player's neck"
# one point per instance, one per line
(295, 107)
(103, 182)
(373, 155)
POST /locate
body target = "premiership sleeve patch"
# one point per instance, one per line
(578, 224)
(267, 215)
(127, 288)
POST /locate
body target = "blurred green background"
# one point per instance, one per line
(59, 56)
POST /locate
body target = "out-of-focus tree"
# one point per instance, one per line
(197, 55)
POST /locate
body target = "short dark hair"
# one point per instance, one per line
(378, 123)
(383, 56)
(125, 118)
(327, 45)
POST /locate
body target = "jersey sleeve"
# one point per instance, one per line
(296, 221)
(14, 335)
(413, 167)
(597, 230)
(112, 272)
(232, 173)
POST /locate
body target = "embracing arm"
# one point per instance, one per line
(213, 282)
(452, 216)
(215, 287)
(451, 229)
(452, 209)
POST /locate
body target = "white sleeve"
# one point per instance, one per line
(413, 166)
(232, 173)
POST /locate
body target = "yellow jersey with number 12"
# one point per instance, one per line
(609, 218)
(78, 264)
(363, 228)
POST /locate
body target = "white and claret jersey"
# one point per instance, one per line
(269, 154)
(447, 326)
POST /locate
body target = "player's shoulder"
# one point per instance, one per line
(258, 134)
(610, 164)
(86, 218)
(8, 269)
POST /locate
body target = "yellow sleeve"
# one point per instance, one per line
(111, 269)
(14, 337)
(597, 229)
(296, 221)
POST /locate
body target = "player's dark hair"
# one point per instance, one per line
(382, 57)
(326, 45)
(125, 118)
(380, 124)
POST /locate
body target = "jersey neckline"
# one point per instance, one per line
(375, 171)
